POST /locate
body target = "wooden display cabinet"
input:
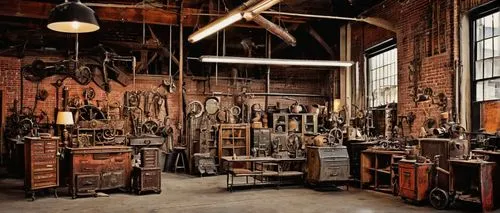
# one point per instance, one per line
(307, 123)
(234, 139)
(414, 180)
(376, 172)
(41, 164)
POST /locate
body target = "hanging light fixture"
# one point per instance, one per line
(273, 61)
(73, 17)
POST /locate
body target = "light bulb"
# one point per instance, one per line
(75, 25)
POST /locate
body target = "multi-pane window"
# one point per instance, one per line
(487, 57)
(383, 79)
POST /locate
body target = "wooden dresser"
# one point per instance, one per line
(99, 168)
(41, 164)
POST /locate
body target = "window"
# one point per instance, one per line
(383, 79)
(486, 79)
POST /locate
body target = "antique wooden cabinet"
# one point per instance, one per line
(146, 179)
(234, 139)
(41, 164)
(327, 164)
(99, 168)
(414, 180)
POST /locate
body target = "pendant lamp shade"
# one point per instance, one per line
(73, 17)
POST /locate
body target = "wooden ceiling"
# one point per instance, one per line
(24, 22)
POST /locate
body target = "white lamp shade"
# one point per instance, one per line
(65, 118)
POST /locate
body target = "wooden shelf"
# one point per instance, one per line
(229, 133)
(236, 147)
(383, 171)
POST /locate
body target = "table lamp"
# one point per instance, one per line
(64, 118)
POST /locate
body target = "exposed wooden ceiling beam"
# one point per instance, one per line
(133, 14)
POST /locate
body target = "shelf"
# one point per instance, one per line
(469, 198)
(236, 147)
(290, 173)
(380, 170)
(231, 128)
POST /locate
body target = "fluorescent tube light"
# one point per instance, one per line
(262, 6)
(214, 27)
(273, 61)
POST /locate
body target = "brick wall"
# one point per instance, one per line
(413, 21)
(282, 81)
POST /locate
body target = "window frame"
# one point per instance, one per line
(475, 14)
(371, 52)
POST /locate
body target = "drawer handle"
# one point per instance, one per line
(118, 160)
(147, 142)
(406, 174)
(50, 166)
(88, 183)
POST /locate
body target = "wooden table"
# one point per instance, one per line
(262, 174)
(465, 173)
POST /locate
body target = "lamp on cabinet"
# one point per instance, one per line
(65, 118)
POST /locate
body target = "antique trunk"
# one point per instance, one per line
(414, 180)
(150, 157)
(327, 164)
(146, 179)
(41, 164)
(99, 168)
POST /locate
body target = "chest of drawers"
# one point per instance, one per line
(99, 168)
(41, 164)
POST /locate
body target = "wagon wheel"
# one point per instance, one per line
(83, 75)
(439, 199)
(335, 136)
(150, 127)
(25, 126)
(89, 112)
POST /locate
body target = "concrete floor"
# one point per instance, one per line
(186, 194)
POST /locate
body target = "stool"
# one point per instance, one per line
(180, 154)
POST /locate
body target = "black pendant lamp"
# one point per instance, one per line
(73, 17)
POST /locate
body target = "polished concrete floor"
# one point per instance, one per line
(186, 194)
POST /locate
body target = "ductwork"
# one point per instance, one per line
(272, 28)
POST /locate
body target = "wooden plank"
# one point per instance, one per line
(159, 16)
(41, 10)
